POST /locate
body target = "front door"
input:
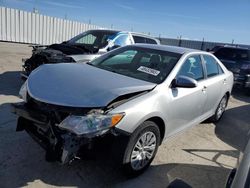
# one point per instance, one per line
(187, 104)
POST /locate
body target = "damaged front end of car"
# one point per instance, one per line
(63, 131)
(66, 109)
(55, 53)
(43, 56)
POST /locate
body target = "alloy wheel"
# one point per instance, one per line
(143, 150)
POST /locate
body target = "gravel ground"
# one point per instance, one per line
(202, 156)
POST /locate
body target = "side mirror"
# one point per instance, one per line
(113, 47)
(184, 82)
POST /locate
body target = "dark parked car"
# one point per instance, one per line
(237, 60)
(240, 176)
(82, 48)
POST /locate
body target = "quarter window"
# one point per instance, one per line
(139, 39)
(212, 67)
(150, 41)
(192, 68)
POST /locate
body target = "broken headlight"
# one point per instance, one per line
(91, 124)
(23, 91)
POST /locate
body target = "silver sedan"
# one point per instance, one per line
(139, 94)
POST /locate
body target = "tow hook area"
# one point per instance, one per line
(71, 147)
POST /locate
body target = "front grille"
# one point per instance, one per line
(58, 113)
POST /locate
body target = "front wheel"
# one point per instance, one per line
(141, 148)
(220, 109)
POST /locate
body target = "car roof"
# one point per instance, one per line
(119, 31)
(232, 47)
(174, 49)
(105, 30)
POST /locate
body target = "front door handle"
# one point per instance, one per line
(224, 81)
(204, 89)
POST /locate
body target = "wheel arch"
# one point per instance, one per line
(160, 123)
(228, 95)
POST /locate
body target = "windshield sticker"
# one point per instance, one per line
(148, 70)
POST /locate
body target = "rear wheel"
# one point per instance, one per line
(141, 149)
(220, 109)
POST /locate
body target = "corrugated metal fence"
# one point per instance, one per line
(26, 27)
(200, 45)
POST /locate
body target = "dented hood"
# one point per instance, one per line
(80, 85)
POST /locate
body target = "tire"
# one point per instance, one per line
(220, 109)
(132, 164)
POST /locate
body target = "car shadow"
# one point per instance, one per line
(26, 165)
(234, 127)
(10, 83)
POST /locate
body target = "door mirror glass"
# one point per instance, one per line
(184, 82)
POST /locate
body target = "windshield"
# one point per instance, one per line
(141, 63)
(96, 38)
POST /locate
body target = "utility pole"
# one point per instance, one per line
(179, 41)
(202, 43)
(65, 16)
(35, 9)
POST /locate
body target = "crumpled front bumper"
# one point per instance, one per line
(60, 145)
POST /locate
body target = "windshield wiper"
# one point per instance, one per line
(90, 63)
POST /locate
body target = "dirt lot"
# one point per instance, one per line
(202, 156)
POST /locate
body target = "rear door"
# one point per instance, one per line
(215, 83)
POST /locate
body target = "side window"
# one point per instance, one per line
(212, 67)
(122, 40)
(138, 39)
(192, 68)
